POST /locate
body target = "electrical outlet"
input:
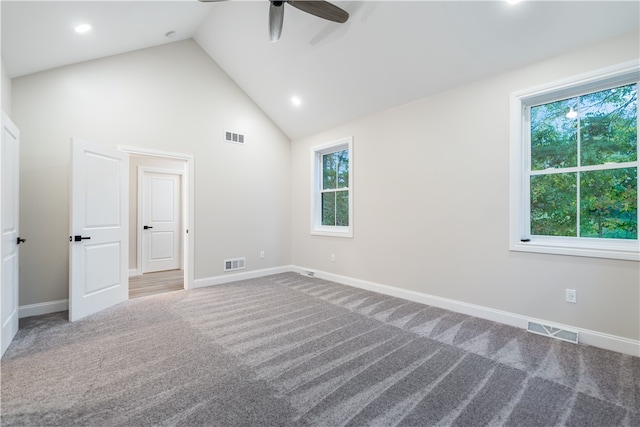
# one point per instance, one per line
(261, 254)
(333, 257)
(571, 295)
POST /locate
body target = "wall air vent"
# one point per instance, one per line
(550, 331)
(234, 264)
(233, 137)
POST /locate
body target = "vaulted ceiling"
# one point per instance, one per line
(387, 54)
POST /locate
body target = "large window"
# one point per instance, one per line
(576, 189)
(332, 189)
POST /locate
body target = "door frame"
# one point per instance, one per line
(141, 171)
(188, 211)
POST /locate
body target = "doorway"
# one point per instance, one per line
(160, 215)
(159, 282)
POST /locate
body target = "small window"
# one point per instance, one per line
(575, 167)
(332, 212)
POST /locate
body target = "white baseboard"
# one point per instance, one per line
(43, 308)
(589, 337)
(234, 277)
(134, 272)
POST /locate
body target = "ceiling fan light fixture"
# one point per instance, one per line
(320, 8)
(276, 19)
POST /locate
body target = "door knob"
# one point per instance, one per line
(80, 238)
(20, 240)
(146, 227)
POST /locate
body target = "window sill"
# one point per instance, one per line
(622, 250)
(332, 232)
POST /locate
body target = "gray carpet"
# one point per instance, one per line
(289, 350)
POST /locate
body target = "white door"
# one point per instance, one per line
(160, 221)
(99, 207)
(10, 238)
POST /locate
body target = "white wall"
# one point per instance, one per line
(431, 206)
(6, 88)
(172, 98)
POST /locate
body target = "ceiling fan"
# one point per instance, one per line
(319, 8)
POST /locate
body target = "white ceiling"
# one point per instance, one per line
(387, 54)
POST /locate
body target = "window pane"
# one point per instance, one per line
(609, 204)
(608, 126)
(329, 168)
(553, 205)
(329, 208)
(343, 168)
(342, 208)
(554, 136)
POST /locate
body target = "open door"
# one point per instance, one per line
(99, 207)
(9, 173)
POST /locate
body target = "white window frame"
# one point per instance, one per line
(520, 238)
(316, 186)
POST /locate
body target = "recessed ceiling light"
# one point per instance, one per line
(83, 28)
(513, 1)
(296, 101)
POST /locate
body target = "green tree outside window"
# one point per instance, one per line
(335, 188)
(581, 181)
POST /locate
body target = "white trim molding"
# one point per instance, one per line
(43, 308)
(589, 337)
(155, 153)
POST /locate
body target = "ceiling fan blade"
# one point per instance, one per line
(322, 9)
(276, 17)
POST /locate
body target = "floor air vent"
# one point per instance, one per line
(233, 137)
(234, 264)
(550, 331)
